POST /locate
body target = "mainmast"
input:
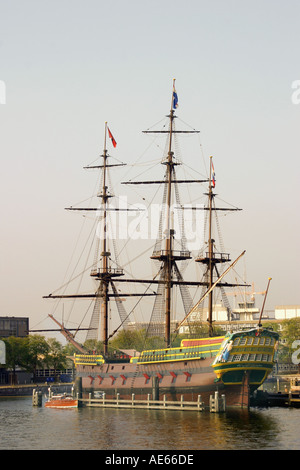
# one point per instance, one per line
(169, 229)
(165, 253)
(168, 257)
(210, 253)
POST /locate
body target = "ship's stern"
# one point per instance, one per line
(245, 360)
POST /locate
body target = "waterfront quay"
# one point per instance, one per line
(27, 390)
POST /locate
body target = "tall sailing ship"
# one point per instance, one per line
(235, 364)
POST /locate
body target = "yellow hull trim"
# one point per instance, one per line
(243, 368)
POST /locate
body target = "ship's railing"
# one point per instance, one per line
(175, 253)
(221, 257)
(96, 359)
(117, 356)
(112, 271)
(88, 359)
(193, 352)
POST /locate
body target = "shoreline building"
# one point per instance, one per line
(14, 326)
(286, 312)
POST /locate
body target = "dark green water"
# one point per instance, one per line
(23, 426)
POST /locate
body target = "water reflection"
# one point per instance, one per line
(23, 426)
(189, 430)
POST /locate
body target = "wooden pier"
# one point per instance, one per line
(217, 403)
(266, 399)
(149, 404)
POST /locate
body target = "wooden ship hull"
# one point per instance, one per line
(234, 365)
(161, 382)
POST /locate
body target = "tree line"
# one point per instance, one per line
(36, 352)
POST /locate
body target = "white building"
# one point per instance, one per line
(220, 313)
(285, 312)
(245, 311)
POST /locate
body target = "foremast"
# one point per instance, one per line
(105, 273)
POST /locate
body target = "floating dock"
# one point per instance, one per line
(117, 402)
(266, 399)
(217, 403)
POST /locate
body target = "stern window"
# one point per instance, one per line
(237, 358)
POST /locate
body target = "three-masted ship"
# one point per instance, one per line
(234, 364)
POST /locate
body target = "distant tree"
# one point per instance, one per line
(136, 339)
(16, 353)
(274, 326)
(200, 330)
(56, 356)
(128, 339)
(94, 346)
(37, 353)
(290, 332)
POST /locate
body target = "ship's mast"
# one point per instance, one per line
(167, 256)
(105, 274)
(105, 254)
(210, 259)
(169, 232)
(210, 253)
(213, 258)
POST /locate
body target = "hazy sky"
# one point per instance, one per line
(68, 66)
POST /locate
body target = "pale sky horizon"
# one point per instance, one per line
(69, 66)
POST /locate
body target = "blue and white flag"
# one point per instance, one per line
(175, 98)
